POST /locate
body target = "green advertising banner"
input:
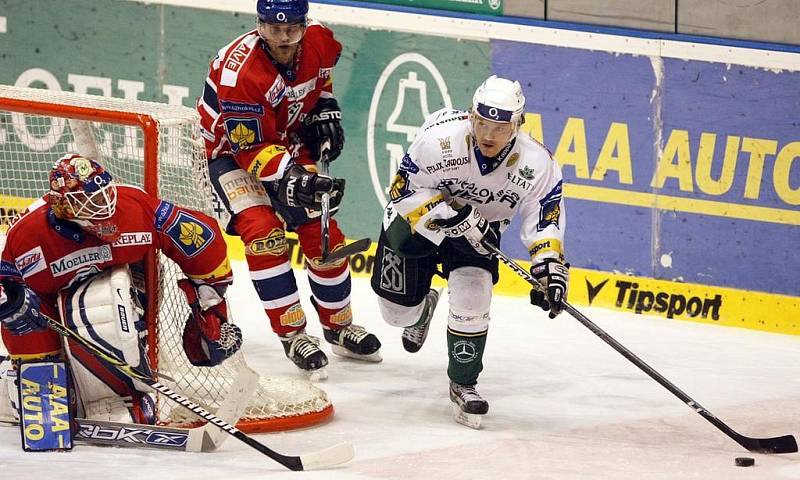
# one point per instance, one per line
(386, 82)
(486, 7)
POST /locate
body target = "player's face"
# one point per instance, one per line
(282, 38)
(491, 136)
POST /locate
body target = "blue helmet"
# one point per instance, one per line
(282, 11)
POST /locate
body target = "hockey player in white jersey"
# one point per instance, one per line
(459, 184)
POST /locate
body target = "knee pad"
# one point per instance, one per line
(470, 292)
(399, 315)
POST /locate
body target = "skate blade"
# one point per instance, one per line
(317, 375)
(470, 420)
(374, 357)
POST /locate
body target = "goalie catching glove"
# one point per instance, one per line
(302, 188)
(554, 277)
(19, 308)
(208, 337)
(322, 123)
(468, 228)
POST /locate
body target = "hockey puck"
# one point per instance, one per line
(745, 461)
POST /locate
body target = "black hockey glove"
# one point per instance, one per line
(321, 123)
(468, 229)
(554, 276)
(19, 308)
(301, 188)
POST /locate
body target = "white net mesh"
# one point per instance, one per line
(38, 126)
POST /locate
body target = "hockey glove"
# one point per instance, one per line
(301, 188)
(321, 123)
(208, 337)
(468, 229)
(19, 308)
(554, 276)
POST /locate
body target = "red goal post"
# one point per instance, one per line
(156, 147)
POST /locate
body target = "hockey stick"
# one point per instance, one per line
(335, 455)
(346, 250)
(783, 444)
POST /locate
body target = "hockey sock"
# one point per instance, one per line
(466, 354)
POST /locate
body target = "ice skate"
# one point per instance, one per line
(353, 341)
(415, 335)
(303, 350)
(468, 405)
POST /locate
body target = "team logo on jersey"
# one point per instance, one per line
(444, 144)
(550, 210)
(409, 89)
(189, 234)
(243, 132)
(81, 258)
(526, 172)
(408, 165)
(272, 244)
(30, 262)
(325, 72)
(399, 188)
(133, 238)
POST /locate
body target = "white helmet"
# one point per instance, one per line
(499, 100)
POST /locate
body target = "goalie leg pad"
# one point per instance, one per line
(45, 406)
(105, 309)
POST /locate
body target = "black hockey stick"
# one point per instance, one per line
(335, 455)
(346, 250)
(784, 444)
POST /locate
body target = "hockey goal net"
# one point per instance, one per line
(156, 147)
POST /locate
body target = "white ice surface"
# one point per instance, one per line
(563, 405)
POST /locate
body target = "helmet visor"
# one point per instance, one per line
(282, 34)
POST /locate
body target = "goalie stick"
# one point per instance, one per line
(331, 456)
(346, 250)
(783, 444)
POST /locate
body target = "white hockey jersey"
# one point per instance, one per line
(444, 170)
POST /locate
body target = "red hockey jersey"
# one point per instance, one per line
(47, 253)
(252, 108)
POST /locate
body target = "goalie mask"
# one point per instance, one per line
(496, 116)
(82, 191)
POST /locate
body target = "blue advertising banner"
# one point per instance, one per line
(676, 170)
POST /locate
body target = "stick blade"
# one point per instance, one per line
(350, 249)
(330, 457)
(784, 444)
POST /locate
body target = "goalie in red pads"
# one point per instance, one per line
(76, 255)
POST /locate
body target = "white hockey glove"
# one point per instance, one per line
(19, 308)
(208, 337)
(554, 276)
(468, 225)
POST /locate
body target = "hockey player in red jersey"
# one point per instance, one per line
(267, 115)
(69, 256)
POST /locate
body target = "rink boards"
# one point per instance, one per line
(681, 158)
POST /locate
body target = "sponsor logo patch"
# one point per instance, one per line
(272, 244)
(293, 316)
(239, 107)
(31, 262)
(81, 258)
(342, 317)
(134, 238)
(464, 351)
